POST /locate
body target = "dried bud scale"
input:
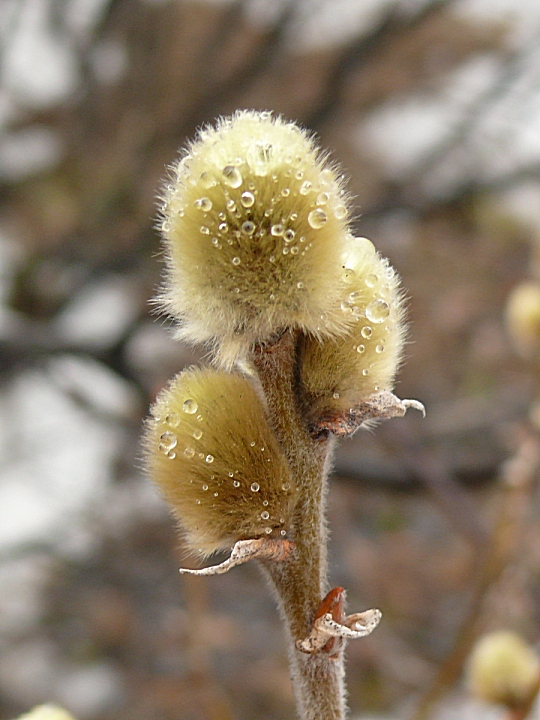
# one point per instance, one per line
(254, 221)
(210, 450)
(338, 373)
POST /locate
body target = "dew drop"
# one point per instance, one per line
(189, 452)
(247, 199)
(208, 180)
(377, 311)
(197, 434)
(204, 230)
(172, 419)
(326, 176)
(365, 372)
(285, 251)
(252, 443)
(255, 487)
(340, 212)
(323, 198)
(209, 459)
(348, 276)
(216, 494)
(379, 349)
(360, 349)
(285, 487)
(366, 332)
(236, 483)
(199, 418)
(232, 176)
(204, 204)
(268, 530)
(294, 250)
(265, 515)
(215, 243)
(317, 218)
(300, 285)
(305, 188)
(277, 230)
(248, 227)
(190, 406)
(171, 455)
(223, 227)
(372, 280)
(285, 192)
(197, 502)
(265, 503)
(236, 261)
(205, 487)
(288, 235)
(283, 533)
(168, 441)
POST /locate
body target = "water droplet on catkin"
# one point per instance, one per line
(247, 199)
(204, 204)
(255, 487)
(168, 441)
(197, 434)
(265, 515)
(232, 176)
(189, 452)
(377, 311)
(366, 332)
(190, 406)
(317, 218)
(209, 459)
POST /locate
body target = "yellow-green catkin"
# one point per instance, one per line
(339, 373)
(254, 221)
(46, 712)
(523, 318)
(210, 450)
(503, 669)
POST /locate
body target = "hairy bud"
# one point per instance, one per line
(212, 453)
(254, 222)
(339, 373)
(503, 669)
(46, 712)
(523, 318)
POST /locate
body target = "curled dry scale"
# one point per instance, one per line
(305, 326)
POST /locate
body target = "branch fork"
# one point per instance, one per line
(269, 549)
(331, 627)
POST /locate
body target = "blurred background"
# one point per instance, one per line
(433, 109)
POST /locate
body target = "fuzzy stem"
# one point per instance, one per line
(301, 582)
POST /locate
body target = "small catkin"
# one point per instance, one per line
(254, 221)
(210, 450)
(46, 712)
(503, 669)
(339, 373)
(523, 318)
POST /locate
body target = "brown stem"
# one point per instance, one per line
(301, 582)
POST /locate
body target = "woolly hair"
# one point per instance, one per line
(254, 222)
(212, 453)
(339, 373)
(503, 669)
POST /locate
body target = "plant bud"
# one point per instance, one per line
(523, 318)
(254, 221)
(503, 669)
(212, 453)
(341, 372)
(46, 712)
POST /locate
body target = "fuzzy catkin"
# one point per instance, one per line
(210, 450)
(254, 221)
(339, 373)
(503, 669)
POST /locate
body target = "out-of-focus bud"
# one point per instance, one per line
(339, 373)
(503, 669)
(523, 318)
(46, 712)
(212, 453)
(254, 220)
